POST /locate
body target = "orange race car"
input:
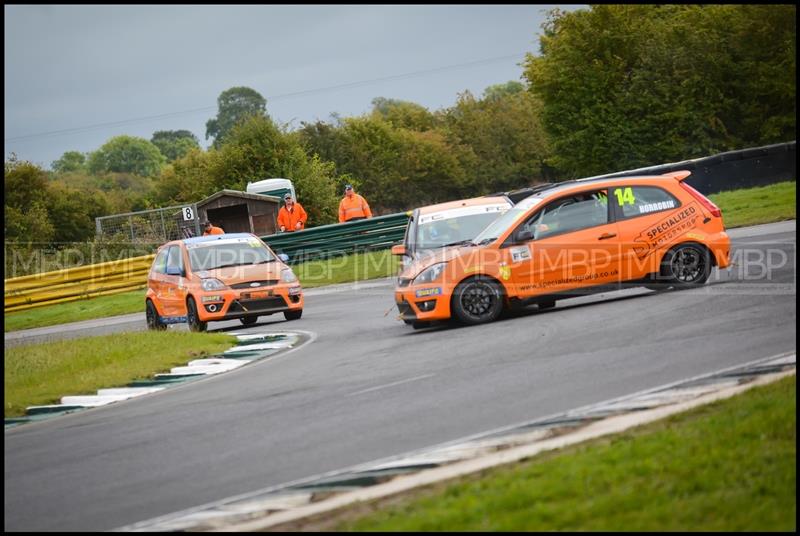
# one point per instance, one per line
(219, 277)
(568, 239)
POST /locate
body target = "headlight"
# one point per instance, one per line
(430, 274)
(212, 284)
(287, 276)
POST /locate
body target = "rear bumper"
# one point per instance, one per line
(720, 244)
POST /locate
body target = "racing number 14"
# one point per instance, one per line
(625, 196)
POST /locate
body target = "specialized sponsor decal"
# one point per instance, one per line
(570, 280)
(520, 254)
(425, 292)
(667, 230)
(505, 272)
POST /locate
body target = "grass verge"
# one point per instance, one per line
(753, 206)
(726, 466)
(42, 373)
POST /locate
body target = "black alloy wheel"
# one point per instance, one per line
(153, 320)
(477, 300)
(192, 318)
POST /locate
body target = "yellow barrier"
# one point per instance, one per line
(91, 271)
(76, 283)
(76, 298)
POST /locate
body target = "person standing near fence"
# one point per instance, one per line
(353, 207)
(209, 229)
(292, 216)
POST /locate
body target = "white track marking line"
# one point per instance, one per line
(415, 378)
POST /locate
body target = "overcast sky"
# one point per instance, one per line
(70, 71)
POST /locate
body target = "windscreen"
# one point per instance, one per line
(501, 224)
(208, 256)
(454, 226)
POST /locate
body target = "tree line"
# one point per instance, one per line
(612, 87)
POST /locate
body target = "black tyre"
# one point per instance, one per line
(684, 266)
(153, 320)
(293, 315)
(248, 320)
(192, 318)
(477, 300)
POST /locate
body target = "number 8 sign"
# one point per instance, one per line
(188, 214)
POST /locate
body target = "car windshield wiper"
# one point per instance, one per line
(231, 264)
(266, 261)
(486, 241)
(459, 243)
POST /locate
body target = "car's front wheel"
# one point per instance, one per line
(192, 318)
(477, 300)
(293, 315)
(153, 320)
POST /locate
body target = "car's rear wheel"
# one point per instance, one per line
(153, 320)
(477, 300)
(192, 318)
(684, 266)
(293, 315)
(248, 320)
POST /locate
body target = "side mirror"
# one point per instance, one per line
(398, 249)
(283, 257)
(523, 236)
(174, 270)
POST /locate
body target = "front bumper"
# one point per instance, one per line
(231, 304)
(422, 303)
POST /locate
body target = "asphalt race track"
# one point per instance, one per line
(367, 387)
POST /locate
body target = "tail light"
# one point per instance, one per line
(706, 202)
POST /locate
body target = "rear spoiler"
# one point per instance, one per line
(679, 176)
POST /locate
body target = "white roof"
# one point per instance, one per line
(269, 184)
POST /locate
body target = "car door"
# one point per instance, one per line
(649, 218)
(155, 279)
(173, 288)
(573, 244)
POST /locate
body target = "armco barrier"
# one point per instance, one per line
(745, 168)
(338, 239)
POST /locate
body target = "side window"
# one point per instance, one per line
(175, 259)
(160, 264)
(568, 214)
(633, 201)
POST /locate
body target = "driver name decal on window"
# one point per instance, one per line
(654, 207)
